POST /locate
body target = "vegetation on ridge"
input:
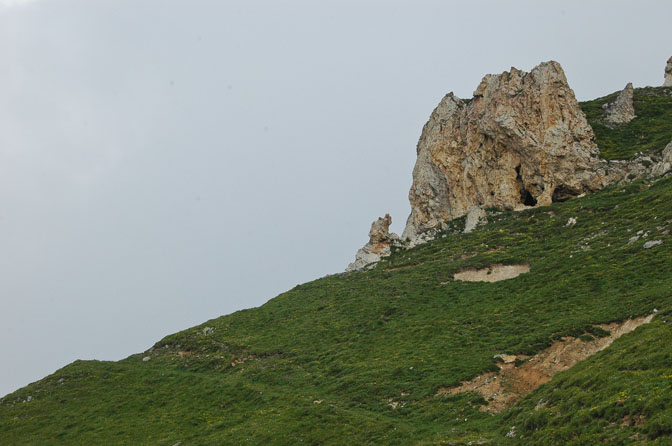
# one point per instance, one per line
(649, 132)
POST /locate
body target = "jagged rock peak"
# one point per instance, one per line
(521, 141)
(379, 245)
(668, 73)
(621, 110)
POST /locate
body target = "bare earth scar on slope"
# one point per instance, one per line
(492, 273)
(505, 388)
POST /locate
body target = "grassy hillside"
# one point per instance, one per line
(649, 132)
(358, 358)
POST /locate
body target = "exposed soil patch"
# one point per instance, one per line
(506, 387)
(492, 273)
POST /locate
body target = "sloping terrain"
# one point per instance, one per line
(362, 358)
(359, 358)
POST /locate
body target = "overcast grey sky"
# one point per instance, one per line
(166, 162)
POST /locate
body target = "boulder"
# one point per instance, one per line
(652, 243)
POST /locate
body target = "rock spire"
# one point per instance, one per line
(621, 110)
(668, 73)
(379, 245)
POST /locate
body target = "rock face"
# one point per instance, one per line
(668, 73)
(521, 141)
(475, 217)
(379, 245)
(621, 110)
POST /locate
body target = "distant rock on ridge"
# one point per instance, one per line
(621, 110)
(521, 141)
(668, 73)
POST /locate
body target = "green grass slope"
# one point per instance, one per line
(358, 358)
(324, 363)
(649, 132)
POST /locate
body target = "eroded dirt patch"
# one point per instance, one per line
(492, 273)
(506, 387)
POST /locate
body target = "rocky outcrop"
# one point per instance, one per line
(379, 245)
(644, 165)
(668, 73)
(621, 110)
(521, 141)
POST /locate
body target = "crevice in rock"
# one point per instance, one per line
(563, 193)
(526, 197)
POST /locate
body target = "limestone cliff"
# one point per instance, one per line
(521, 141)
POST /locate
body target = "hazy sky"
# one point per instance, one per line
(166, 162)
